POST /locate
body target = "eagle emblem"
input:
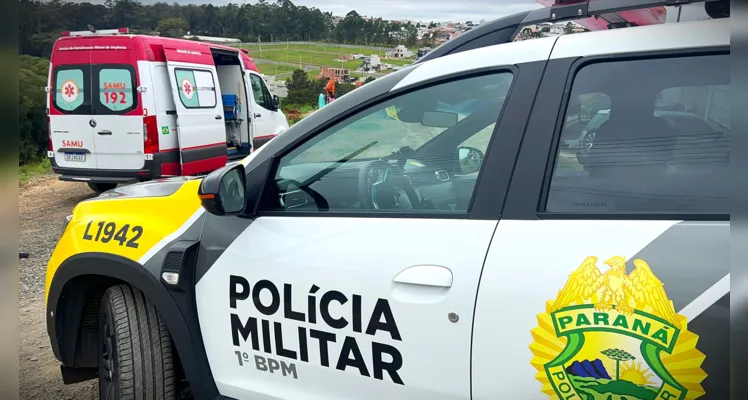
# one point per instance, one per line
(615, 335)
(640, 290)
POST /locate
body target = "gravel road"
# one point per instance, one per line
(42, 206)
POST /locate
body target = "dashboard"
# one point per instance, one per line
(397, 185)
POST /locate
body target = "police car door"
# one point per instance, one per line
(342, 288)
(608, 276)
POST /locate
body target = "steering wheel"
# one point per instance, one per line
(388, 182)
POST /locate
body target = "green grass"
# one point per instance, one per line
(317, 56)
(274, 69)
(317, 48)
(28, 171)
(305, 58)
(312, 74)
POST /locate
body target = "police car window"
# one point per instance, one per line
(658, 141)
(197, 88)
(70, 90)
(481, 139)
(260, 92)
(401, 155)
(116, 90)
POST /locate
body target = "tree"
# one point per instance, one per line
(618, 355)
(32, 78)
(301, 90)
(369, 79)
(172, 27)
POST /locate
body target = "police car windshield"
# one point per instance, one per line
(398, 123)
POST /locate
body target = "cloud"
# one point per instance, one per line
(418, 10)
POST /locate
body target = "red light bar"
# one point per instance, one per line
(123, 30)
(66, 33)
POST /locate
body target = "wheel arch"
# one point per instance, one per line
(83, 277)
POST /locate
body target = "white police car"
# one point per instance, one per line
(426, 237)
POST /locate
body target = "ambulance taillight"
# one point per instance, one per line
(49, 136)
(150, 135)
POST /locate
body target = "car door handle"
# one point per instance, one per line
(105, 132)
(258, 115)
(425, 275)
(218, 117)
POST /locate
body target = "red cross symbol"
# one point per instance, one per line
(69, 90)
(187, 88)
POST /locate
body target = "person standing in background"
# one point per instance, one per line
(321, 101)
(330, 89)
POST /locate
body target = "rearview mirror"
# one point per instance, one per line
(222, 191)
(439, 119)
(470, 159)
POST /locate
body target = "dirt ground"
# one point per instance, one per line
(43, 204)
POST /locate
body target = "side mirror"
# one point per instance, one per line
(222, 192)
(276, 102)
(470, 160)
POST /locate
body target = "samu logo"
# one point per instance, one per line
(615, 336)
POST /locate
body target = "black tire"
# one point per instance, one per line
(101, 187)
(136, 356)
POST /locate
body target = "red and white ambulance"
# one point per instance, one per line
(125, 107)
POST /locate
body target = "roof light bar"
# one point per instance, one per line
(101, 32)
(565, 10)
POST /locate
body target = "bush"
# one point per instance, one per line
(32, 102)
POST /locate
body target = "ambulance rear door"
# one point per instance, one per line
(117, 122)
(69, 105)
(200, 126)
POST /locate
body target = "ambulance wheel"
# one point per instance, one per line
(101, 187)
(136, 356)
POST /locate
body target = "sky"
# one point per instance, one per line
(417, 10)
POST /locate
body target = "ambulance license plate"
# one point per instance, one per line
(81, 157)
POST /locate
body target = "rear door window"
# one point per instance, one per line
(116, 89)
(197, 88)
(71, 90)
(663, 146)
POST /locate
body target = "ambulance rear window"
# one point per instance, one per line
(71, 87)
(116, 89)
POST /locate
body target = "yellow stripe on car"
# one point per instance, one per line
(127, 227)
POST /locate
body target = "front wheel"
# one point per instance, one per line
(101, 187)
(136, 356)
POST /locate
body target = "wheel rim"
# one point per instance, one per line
(107, 375)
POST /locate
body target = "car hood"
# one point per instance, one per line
(156, 188)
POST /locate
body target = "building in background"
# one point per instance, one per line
(335, 74)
